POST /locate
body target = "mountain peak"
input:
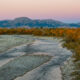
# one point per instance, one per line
(22, 18)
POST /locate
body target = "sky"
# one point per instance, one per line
(63, 10)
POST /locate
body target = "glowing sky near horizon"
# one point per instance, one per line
(63, 10)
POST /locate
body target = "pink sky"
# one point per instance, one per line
(63, 10)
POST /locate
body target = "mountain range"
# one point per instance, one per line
(27, 22)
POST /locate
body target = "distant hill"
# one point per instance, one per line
(74, 25)
(27, 22)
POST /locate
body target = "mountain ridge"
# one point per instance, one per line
(27, 22)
